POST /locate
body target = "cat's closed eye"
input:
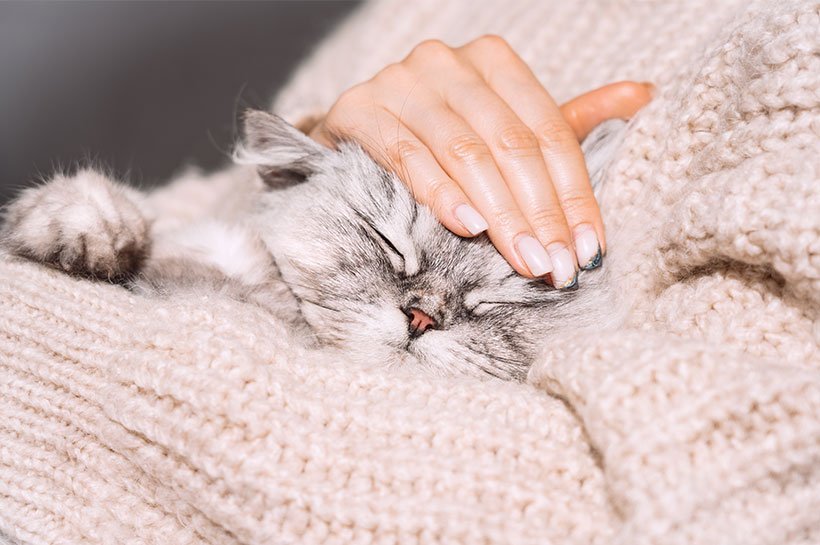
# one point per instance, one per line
(394, 255)
(387, 242)
(482, 307)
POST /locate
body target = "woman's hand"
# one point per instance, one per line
(477, 138)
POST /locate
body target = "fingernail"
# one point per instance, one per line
(587, 248)
(650, 87)
(470, 219)
(534, 255)
(564, 274)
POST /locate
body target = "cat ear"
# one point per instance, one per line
(283, 154)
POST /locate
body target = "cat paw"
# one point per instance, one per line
(84, 224)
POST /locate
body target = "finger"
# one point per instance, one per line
(465, 156)
(495, 137)
(514, 82)
(619, 100)
(396, 148)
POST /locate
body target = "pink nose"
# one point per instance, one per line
(420, 321)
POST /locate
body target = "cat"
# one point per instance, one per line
(326, 240)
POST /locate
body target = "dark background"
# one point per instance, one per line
(144, 88)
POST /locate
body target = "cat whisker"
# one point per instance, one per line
(326, 307)
(318, 289)
(510, 361)
(484, 368)
(530, 303)
(488, 372)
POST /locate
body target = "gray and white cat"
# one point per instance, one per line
(326, 240)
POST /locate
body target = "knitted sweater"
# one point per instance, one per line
(195, 420)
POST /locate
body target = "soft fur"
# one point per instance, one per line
(332, 243)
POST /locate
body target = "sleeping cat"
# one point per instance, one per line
(328, 241)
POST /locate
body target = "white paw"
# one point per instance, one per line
(84, 224)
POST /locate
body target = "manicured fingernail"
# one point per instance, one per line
(587, 248)
(653, 91)
(470, 219)
(564, 274)
(534, 255)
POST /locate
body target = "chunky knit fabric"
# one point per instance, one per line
(697, 420)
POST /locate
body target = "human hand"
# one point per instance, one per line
(476, 137)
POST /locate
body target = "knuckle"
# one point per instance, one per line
(347, 106)
(507, 219)
(436, 193)
(351, 98)
(579, 204)
(555, 133)
(431, 50)
(468, 148)
(548, 218)
(517, 139)
(493, 41)
(392, 74)
(494, 48)
(403, 150)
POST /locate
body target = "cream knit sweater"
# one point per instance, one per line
(125, 420)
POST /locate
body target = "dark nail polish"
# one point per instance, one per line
(595, 262)
(572, 285)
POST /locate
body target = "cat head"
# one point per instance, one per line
(376, 275)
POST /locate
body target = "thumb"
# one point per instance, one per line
(616, 100)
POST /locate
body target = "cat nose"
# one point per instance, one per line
(420, 321)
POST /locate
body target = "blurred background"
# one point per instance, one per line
(144, 88)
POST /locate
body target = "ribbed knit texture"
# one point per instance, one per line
(196, 420)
